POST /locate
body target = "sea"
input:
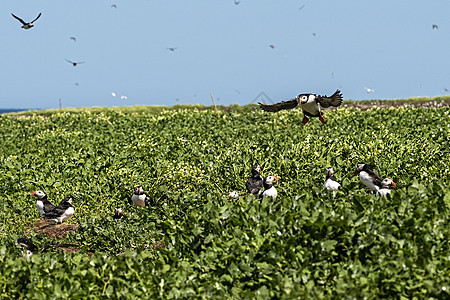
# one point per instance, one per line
(9, 110)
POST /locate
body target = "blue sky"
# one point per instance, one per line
(221, 48)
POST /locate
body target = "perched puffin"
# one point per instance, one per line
(28, 245)
(255, 183)
(269, 189)
(309, 104)
(42, 204)
(118, 213)
(386, 185)
(25, 24)
(62, 212)
(368, 177)
(139, 198)
(233, 195)
(330, 183)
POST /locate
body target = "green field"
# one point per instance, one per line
(309, 243)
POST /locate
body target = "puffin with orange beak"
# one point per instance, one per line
(269, 189)
(310, 104)
(387, 185)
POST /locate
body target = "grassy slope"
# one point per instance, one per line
(308, 243)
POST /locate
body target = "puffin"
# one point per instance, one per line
(233, 195)
(330, 183)
(25, 24)
(42, 204)
(386, 185)
(255, 183)
(31, 248)
(28, 245)
(269, 189)
(118, 213)
(368, 177)
(310, 104)
(62, 212)
(139, 198)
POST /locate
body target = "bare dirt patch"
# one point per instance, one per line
(53, 230)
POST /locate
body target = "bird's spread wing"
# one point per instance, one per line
(333, 100)
(288, 104)
(21, 21)
(69, 61)
(36, 18)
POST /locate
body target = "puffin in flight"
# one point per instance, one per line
(255, 183)
(368, 177)
(25, 24)
(330, 183)
(310, 104)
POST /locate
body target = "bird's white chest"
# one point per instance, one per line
(367, 180)
(138, 200)
(331, 185)
(272, 192)
(66, 215)
(383, 192)
(311, 107)
(40, 207)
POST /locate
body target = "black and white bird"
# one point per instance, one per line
(330, 183)
(233, 195)
(255, 182)
(62, 212)
(310, 103)
(25, 24)
(42, 204)
(118, 213)
(387, 185)
(139, 198)
(269, 190)
(30, 247)
(368, 177)
(74, 63)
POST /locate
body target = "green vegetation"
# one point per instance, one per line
(310, 243)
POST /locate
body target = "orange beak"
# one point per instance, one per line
(393, 183)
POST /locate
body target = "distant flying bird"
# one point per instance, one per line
(435, 26)
(236, 2)
(310, 104)
(26, 25)
(113, 94)
(369, 90)
(301, 7)
(446, 89)
(75, 63)
(171, 48)
(314, 34)
(73, 38)
(113, 6)
(123, 97)
(272, 46)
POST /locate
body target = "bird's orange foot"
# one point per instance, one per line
(305, 120)
(322, 119)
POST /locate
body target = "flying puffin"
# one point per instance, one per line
(255, 183)
(368, 177)
(139, 198)
(62, 212)
(74, 63)
(330, 184)
(25, 24)
(310, 104)
(269, 189)
(386, 185)
(42, 204)
(233, 195)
